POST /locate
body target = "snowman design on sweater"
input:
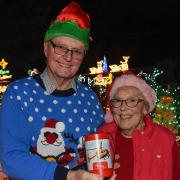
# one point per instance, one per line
(51, 146)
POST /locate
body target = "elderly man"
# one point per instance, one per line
(44, 117)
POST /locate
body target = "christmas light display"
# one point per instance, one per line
(101, 77)
(101, 80)
(3, 63)
(5, 76)
(102, 66)
(103, 72)
(33, 72)
(167, 111)
(98, 69)
(105, 65)
(122, 67)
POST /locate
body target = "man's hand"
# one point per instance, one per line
(85, 175)
(3, 176)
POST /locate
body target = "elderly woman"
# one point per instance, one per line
(143, 150)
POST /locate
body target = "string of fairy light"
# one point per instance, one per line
(172, 92)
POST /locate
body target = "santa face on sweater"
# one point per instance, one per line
(50, 143)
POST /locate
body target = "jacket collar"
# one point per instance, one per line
(148, 129)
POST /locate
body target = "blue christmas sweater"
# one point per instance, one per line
(40, 133)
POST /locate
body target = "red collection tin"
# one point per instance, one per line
(98, 154)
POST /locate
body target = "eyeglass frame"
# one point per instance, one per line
(126, 102)
(66, 50)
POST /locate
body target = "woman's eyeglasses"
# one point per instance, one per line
(133, 102)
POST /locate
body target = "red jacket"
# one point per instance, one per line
(152, 147)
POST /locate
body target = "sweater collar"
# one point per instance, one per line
(50, 86)
(56, 92)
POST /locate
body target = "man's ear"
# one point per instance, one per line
(45, 48)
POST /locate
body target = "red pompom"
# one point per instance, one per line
(74, 12)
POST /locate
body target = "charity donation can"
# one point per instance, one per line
(98, 154)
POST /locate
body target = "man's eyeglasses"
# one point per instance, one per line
(62, 50)
(133, 102)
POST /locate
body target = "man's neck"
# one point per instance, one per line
(60, 83)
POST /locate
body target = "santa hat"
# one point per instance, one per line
(72, 22)
(52, 123)
(130, 79)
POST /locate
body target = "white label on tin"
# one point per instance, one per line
(98, 154)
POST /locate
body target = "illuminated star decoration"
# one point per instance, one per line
(3, 63)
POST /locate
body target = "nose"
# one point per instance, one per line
(68, 55)
(123, 105)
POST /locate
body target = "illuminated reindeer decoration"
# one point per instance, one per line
(122, 67)
(114, 68)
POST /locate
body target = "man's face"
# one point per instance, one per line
(64, 56)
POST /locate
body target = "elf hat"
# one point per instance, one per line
(72, 22)
(130, 79)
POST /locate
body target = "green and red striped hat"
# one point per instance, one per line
(71, 22)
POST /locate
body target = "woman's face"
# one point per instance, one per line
(129, 115)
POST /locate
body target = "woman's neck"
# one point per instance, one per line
(128, 133)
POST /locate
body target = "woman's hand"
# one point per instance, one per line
(113, 177)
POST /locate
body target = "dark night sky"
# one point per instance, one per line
(147, 31)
